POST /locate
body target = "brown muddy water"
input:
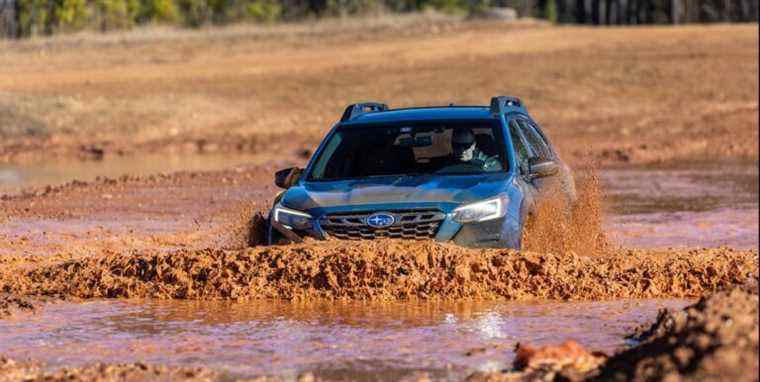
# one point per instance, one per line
(689, 205)
(13, 178)
(702, 205)
(352, 341)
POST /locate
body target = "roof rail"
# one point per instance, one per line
(357, 109)
(501, 104)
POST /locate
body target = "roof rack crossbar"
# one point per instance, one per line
(503, 104)
(357, 109)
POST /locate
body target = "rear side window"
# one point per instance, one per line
(538, 145)
(521, 152)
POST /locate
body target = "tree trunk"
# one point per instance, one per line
(562, 11)
(743, 11)
(631, 11)
(580, 11)
(595, 12)
(608, 14)
(674, 11)
(622, 18)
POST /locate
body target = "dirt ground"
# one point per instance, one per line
(10, 304)
(605, 96)
(185, 236)
(380, 270)
(715, 339)
(623, 95)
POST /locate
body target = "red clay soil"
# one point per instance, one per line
(715, 339)
(15, 371)
(10, 304)
(159, 212)
(379, 270)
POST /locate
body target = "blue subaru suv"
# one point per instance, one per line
(465, 174)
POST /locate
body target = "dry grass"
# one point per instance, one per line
(623, 94)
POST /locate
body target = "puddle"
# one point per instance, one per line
(694, 205)
(13, 177)
(333, 340)
(649, 207)
(701, 206)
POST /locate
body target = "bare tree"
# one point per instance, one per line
(8, 17)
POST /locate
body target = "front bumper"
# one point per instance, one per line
(505, 232)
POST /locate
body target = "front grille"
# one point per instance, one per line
(409, 224)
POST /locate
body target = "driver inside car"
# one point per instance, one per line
(465, 151)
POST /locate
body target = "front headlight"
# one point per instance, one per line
(481, 211)
(291, 219)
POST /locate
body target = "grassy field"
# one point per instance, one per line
(623, 95)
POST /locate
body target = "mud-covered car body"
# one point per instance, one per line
(486, 209)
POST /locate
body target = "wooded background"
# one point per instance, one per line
(23, 18)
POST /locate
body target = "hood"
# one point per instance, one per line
(395, 190)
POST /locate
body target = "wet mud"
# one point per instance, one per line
(88, 248)
(714, 339)
(11, 370)
(10, 304)
(381, 270)
(687, 205)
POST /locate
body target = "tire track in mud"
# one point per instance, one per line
(380, 270)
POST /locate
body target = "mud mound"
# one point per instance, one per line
(382, 270)
(10, 304)
(715, 339)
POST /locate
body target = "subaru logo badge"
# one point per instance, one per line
(380, 220)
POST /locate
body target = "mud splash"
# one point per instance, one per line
(381, 270)
(556, 227)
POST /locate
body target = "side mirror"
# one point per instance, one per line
(543, 169)
(287, 177)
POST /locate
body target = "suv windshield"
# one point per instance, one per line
(443, 148)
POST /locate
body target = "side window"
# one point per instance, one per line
(537, 143)
(520, 150)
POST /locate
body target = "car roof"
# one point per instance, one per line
(422, 114)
